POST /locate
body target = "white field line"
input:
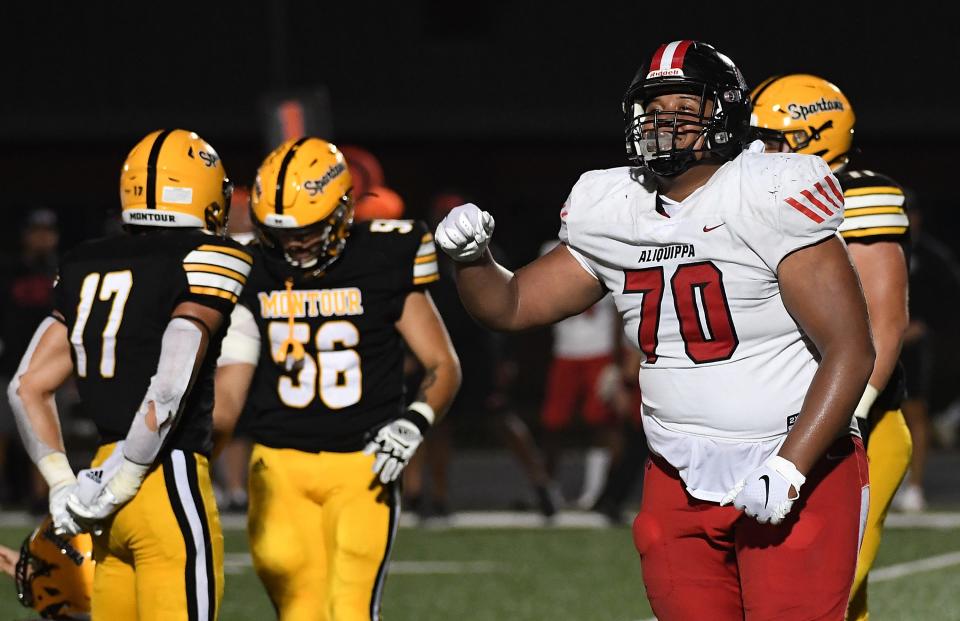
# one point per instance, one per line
(931, 563)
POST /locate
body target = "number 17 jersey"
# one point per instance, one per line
(116, 296)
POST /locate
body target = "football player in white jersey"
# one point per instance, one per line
(726, 267)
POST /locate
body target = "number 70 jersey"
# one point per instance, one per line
(696, 286)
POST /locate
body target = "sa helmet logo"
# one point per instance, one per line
(210, 159)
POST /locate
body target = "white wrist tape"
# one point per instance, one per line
(786, 469)
(126, 482)
(423, 409)
(870, 395)
(56, 470)
(168, 387)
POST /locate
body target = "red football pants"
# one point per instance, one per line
(704, 561)
(570, 382)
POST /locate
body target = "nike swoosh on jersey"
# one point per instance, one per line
(707, 229)
(766, 487)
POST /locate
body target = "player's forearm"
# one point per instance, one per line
(44, 367)
(440, 384)
(37, 421)
(888, 328)
(830, 401)
(231, 386)
(489, 292)
(182, 350)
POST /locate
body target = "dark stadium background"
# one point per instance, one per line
(506, 101)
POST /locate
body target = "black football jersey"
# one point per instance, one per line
(874, 208)
(116, 296)
(351, 379)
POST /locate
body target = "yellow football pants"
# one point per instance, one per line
(321, 527)
(888, 451)
(160, 558)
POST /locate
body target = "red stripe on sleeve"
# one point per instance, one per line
(810, 197)
(826, 195)
(679, 53)
(655, 63)
(803, 209)
(834, 188)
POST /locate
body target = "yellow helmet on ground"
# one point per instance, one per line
(302, 203)
(805, 113)
(174, 178)
(54, 574)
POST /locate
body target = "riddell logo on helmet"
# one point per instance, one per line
(802, 111)
(662, 72)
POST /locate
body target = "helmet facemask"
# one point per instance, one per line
(653, 137)
(311, 248)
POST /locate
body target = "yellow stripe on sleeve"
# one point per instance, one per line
(220, 293)
(427, 237)
(877, 189)
(422, 280)
(240, 254)
(215, 269)
(875, 231)
(872, 211)
(428, 258)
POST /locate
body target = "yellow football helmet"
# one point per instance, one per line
(302, 203)
(54, 574)
(805, 113)
(174, 178)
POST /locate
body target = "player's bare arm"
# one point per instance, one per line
(47, 367)
(551, 288)
(882, 267)
(423, 330)
(231, 386)
(239, 354)
(820, 290)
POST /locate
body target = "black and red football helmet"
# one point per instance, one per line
(686, 67)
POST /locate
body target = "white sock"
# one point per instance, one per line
(596, 466)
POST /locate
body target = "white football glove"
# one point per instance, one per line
(465, 232)
(765, 493)
(59, 476)
(394, 445)
(103, 490)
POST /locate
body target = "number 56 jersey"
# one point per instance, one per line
(696, 286)
(350, 380)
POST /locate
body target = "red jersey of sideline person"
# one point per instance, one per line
(583, 346)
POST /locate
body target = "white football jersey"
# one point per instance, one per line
(726, 367)
(590, 334)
